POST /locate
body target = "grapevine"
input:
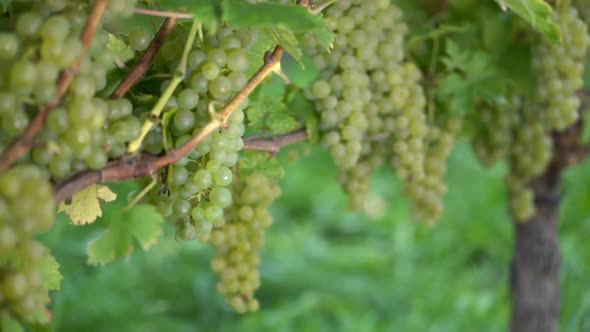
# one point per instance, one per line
(180, 107)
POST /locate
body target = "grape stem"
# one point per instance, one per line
(179, 74)
(24, 143)
(130, 167)
(140, 68)
(160, 13)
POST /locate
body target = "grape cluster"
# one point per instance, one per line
(495, 124)
(560, 68)
(195, 191)
(507, 129)
(26, 208)
(236, 242)
(426, 202)
(369, 98)
(84, 130)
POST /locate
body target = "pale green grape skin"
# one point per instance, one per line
(203, 179)
(184, 121)
(220, 196)
(220, 87)
(9, 46)
(139, 39)
(210, 71)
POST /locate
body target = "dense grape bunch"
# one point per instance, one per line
(559, 70)
(81, 132)
(496, 123)
(519, 132)
(369, 98)
(426, 193)
(26, 208)
(194, 191)
(237, 242)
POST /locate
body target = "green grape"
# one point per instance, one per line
(203, 179)
(220, 87)
(22, 76)
(210, 70)
(9, 46)
(183, 121)
(28, 23)
(181, 208)
(55, 28)
(188, 99)
(220, 196)
(217, 57)
(139, 39)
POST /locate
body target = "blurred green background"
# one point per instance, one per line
(326, 269)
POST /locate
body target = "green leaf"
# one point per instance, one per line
(325, 37)
(537, 13)
(287, 40)
(257, 161)
(240, 13)
(49, 268)
(208, 12)
(279, 122)
(122, 51)
(138, 225)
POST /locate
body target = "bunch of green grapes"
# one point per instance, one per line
(84, 130)
(195, 191)
(26, 208)
(237, 242)
(426, 193)
(368, 93)
(496, 123)
(559, 68)
(530, 153)
(510, 130)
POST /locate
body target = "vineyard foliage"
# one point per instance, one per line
(190, 101)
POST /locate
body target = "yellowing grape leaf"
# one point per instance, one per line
(141, 224)
(49, 268)
(84, 206)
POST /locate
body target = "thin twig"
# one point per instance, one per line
(161, 13)
(140, 68)
(273, 145)
(132, 167)
(24, 143)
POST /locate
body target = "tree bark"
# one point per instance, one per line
(535, 265)
(534, 278)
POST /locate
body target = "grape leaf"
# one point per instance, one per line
(122, 51)
(208, 12)
(49, 268)
(239, 14)
(128, 227)
(537, 13)
(84, 207)
(267, 113)
(259, 162)
(279, 122)
(287, 40)
(469, 75)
